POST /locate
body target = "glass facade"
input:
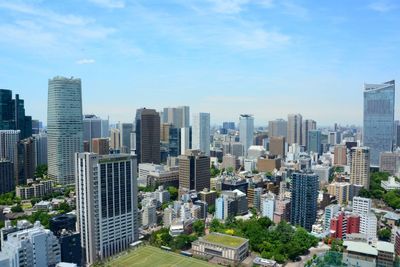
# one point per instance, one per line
(378, 128)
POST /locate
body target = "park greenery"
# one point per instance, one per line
(280, 242)
(9, 199)
(41, 171)
(214, 171)
(392, 198)
(163, 238)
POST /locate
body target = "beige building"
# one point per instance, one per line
(277, 146)
(359, 166)
(340, 155)
(115, 139)
(208, 196)
(194, 171)
(341, 190)
(101, 146)
(268, 165)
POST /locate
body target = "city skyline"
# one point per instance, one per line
(203, 55)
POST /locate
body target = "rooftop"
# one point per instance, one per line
(225, 240)
(360, 247)
(385, 246)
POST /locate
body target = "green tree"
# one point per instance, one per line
(385, 234)
(64, 208)
(214, 171)
(41, 171)
(199, 227)
(216, 226)
(17, 208)
(211, 209)
(173, 193)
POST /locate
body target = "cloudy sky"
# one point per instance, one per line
(263, 57)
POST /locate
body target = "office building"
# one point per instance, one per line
(340, 155)
(106, 190)
(334, 138)
(277, 146)
(115, 139)
(41, 148)
(294, 129)
(149, 216)
(378, 125)
(100, 146)
(343, 192)
(24, 161)
(308, 125)
(12, 114)
(359, 166)
(201, 132)
(178, 117)
(64, 127)
(194, 171)
(268, 205)
(208, 196)
(305, 187)
(231, 203)
(277, 128)
(390, 162)
(8, 142)
(92, 127)
(7, 181)
(228, 125)
(185, 139)
(343, 224)
(34, 247)
(314, 142)
(246, 132)
(147, 134)
(153, 174)
(125, 131)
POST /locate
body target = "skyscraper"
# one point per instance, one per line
(314, 141)
(179, 117)
(115, 139)
(7, 181)
(64, 127)
(194, 171)
(12, 114)
(307, 126)
(147, 136)
(277, 128)
(41, 148)
(201, 132)
(8, 142)
(125, 130)
(305, 187)
(25, 161)
(277, 146)
(246, 131)
(294, 129)
(92, 128)
(106, 189)
(359, 166)
(378, 126)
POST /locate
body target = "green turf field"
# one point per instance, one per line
(147, 256)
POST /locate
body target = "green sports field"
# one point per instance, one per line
(147, 256)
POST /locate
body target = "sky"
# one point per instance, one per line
(227, 57)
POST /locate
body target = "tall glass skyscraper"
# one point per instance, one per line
(378, 118)
(64, 127)
(246, 131)
(201, 132)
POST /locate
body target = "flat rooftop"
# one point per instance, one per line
(224, 240)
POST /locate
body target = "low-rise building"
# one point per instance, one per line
(228, 249)
(390, 184)
(38, 190)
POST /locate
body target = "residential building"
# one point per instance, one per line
(34, 247)
(12, 114)
(340, 155)
(149, 216)
(305, 187)
(330, 212)
(359, 166)
(106, 191)
(64, 126)
(115, 139)
(147, 132)
(229, 249)
(343, 224)
(369, 224)
(268, 205)
(7, 181)
(194, 171)
(230, 203)
(277, 128)
(282, 210)
(294, 130)
(342, 191)
(201, 132)
(246, 132)
(378, 125)
(308, 125)
(386, 254)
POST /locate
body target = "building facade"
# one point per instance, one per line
(359, 166)
(194, 171)
(147, 134)
(201, 132)
(246, 131)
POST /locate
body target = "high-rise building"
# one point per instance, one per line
(115, 139)
(41, 148)
(277, 146)
(25, 161)
(308, 125)
(179, 117)
(368, 226)
(246, 131)
(268, 205)
(340, 156)
(294, 129)
(185, 138)
(359, 166)
(228, 125)
(125, 130)
(378, 125)
(106, 189)
(305, 187)
(330, 212)
(201, 132)
(7, 181)
(334, 138)
(100, 146)
(34, 247)
(314, 141)
(92, 127)
(194, 171)
(8, 142)
(64, 127)
(12, 114)
(390, 162)
(277, 128)
(147, 134)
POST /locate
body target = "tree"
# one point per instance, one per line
(384, 234)
(199, 227)
(173, 193)
(41, 171)
(216, 226)
(17, 208)
(211, 209)
(364, 193)
(64, 207)
(214, 171)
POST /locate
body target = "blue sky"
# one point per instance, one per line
(263, 57)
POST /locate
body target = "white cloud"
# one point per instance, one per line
(109, 3)
(84, 61)
(228, 6)
(295, 10)
(259, 39)
(382, 6)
